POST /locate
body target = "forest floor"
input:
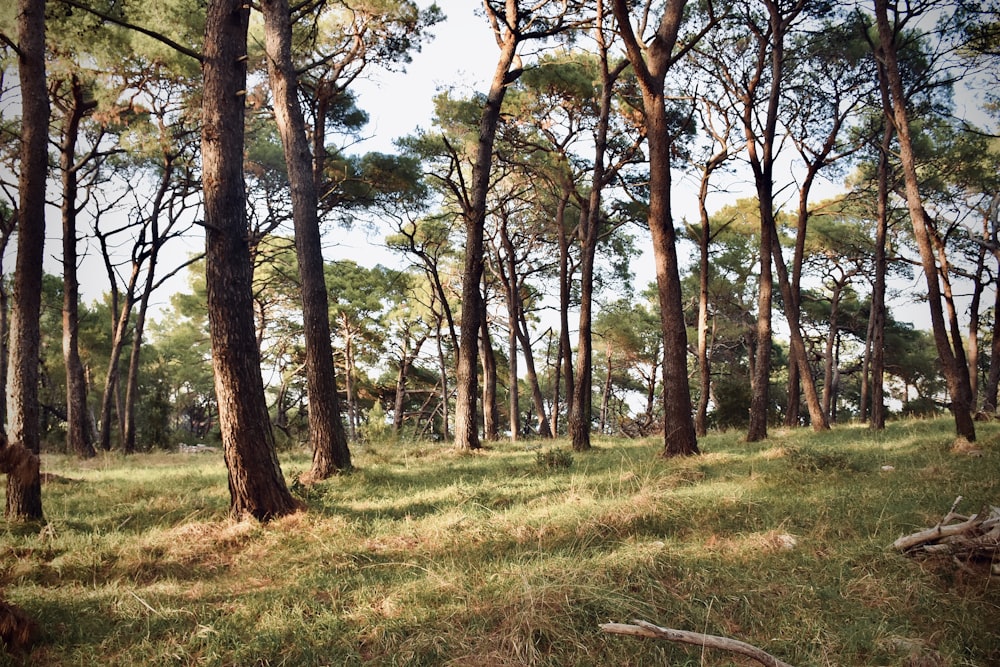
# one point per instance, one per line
(425, 556)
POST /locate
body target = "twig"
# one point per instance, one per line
(646, 629)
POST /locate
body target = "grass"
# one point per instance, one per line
(424, 556)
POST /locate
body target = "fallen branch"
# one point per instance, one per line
(977, 536)
(646, 629)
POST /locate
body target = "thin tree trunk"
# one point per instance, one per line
(256, 485)
(466, 421)
(565, 361)
(829, 362)
(326, 430)
(537, 399)
(78, 438)
(491, 427)
(878, 313)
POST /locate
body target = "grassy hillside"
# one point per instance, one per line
(428, 557)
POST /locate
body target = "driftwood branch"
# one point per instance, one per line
(646, 629)
(977, 536)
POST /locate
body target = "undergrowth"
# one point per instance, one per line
(514, 556)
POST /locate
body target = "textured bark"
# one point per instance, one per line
(589, 234)
(467, 379)
(256, 486)
(581, 412)
(950, 353)
(877, 316)
(326, 430)
(78, 435)
(491, 414)
(24, 496)
(650, 64)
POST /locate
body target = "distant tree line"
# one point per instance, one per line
(215, 141)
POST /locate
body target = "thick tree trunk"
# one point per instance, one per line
(326, 430)
(952, 359)
(78, 437)
(761, 379)
(24, 496)
(650, 65)
(256, 486)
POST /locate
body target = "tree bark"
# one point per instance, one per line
(491, 420)
(467, 380)
(877, 316)
(650, 64)
(78, 436)
(327, 437)
(256, 486)
(24, 494)
(952, 360)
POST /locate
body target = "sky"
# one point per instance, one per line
(461, 54)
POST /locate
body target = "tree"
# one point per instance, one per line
(651, 61)
(78, 435)
(256, 486)
(952, 355)
(19, 453)
(512, 25)
(327, 438)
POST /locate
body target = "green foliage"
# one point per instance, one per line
(426, 556)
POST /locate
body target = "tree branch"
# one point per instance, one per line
(131, 26)
(646, 629)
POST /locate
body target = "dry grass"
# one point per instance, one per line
(428, 557)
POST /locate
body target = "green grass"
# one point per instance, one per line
(424, 556)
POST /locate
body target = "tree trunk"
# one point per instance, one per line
(565, 360)
(466, 421)
(24, 495)
(327, 437)
(877, 316)
(582, 407)
(829, 364)
(952, 361)
(256, 486)
(491, 423)
(993, 378)
(78, 439)
(119, 326)
(537, 399)
(650, 65)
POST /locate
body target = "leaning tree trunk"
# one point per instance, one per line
(467, 380)
(326, 431)
(952, 362)
(20, 456)
(256, 486)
